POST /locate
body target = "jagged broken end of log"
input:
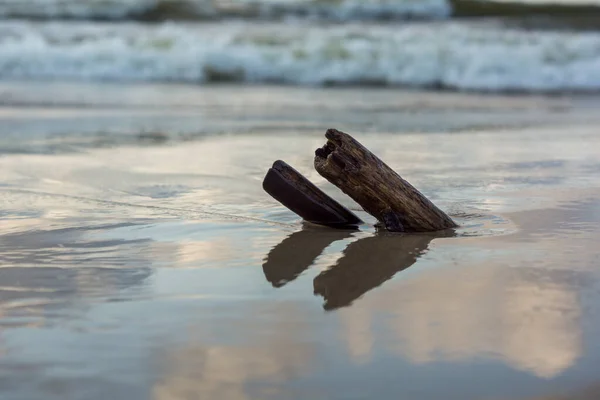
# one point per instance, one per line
(397, 205)
(301, 196)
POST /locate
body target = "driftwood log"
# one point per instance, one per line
(396, 204)
(297, 193)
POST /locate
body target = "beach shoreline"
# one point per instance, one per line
(141, 258)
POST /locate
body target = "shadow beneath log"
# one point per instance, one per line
(366, 264)
(297, 252)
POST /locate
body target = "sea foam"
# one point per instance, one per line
(436, 54)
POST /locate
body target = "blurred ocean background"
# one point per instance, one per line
(442, 44)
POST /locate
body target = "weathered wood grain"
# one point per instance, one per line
(383, 193)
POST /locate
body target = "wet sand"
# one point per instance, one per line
(141, 258)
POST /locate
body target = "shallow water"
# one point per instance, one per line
(141, 258)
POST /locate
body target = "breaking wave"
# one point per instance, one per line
(435, 54)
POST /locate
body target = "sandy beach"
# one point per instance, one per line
(142, 259)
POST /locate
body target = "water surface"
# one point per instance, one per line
(141, 258)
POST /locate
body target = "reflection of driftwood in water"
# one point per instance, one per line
(297, 252)
(366, 264)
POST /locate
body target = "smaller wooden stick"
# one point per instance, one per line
(297, 193)
(383, 193)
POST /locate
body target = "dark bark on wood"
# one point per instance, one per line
(297, 193)
(366, 264)
(297, 252)
(360, 174)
